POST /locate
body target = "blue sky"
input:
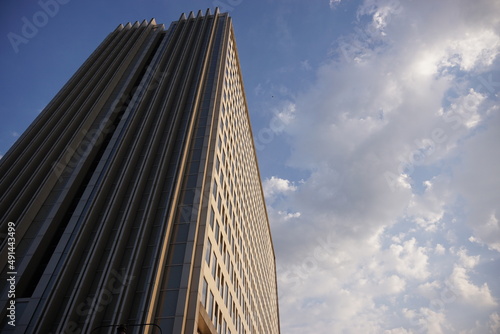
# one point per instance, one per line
(377, 126)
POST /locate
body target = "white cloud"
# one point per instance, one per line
(334, 3)
(440, 250)
(276, 186)
(476, 296)
(467, 261)
(284, 117)
(430, 290)
(399, 330)
(392, 285)
(288, 215)
(304, 64)
(477, 180)
(464, 110)
(474, 52)
(427, 209)
(410, 260)
(380, 11)
(477, 49)
(494, 322)
(428, 320)
(397, 139)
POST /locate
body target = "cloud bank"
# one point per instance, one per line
(396, 228)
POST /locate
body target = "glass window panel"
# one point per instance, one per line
(166, 324)
(170, 303)
(204, 293)
(180, 232)
(195, 166)
(214, 265)
(174, 274)
(191, 181)
(208, 253)
(188, 197)
(210, 305)
(214, 189)
(177, 253)
(212, 215)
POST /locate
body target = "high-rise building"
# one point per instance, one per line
(135, 196)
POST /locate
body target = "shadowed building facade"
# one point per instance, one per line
(136, 194)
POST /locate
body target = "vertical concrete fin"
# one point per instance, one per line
(120, 27)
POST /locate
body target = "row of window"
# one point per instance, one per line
(237, 221)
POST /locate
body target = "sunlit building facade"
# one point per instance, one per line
(136, 194)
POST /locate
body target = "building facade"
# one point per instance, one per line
(135, 195)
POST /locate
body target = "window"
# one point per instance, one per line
(210, 305)
(214, 189)
(208, 252)
(214, 265)
(221, 289)
(212, 217)
(231, 305)
(216, 316)
(231, 271)
(225, 293)
(217, 231)
(204, 293)
(219, 325)
(217, 279)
